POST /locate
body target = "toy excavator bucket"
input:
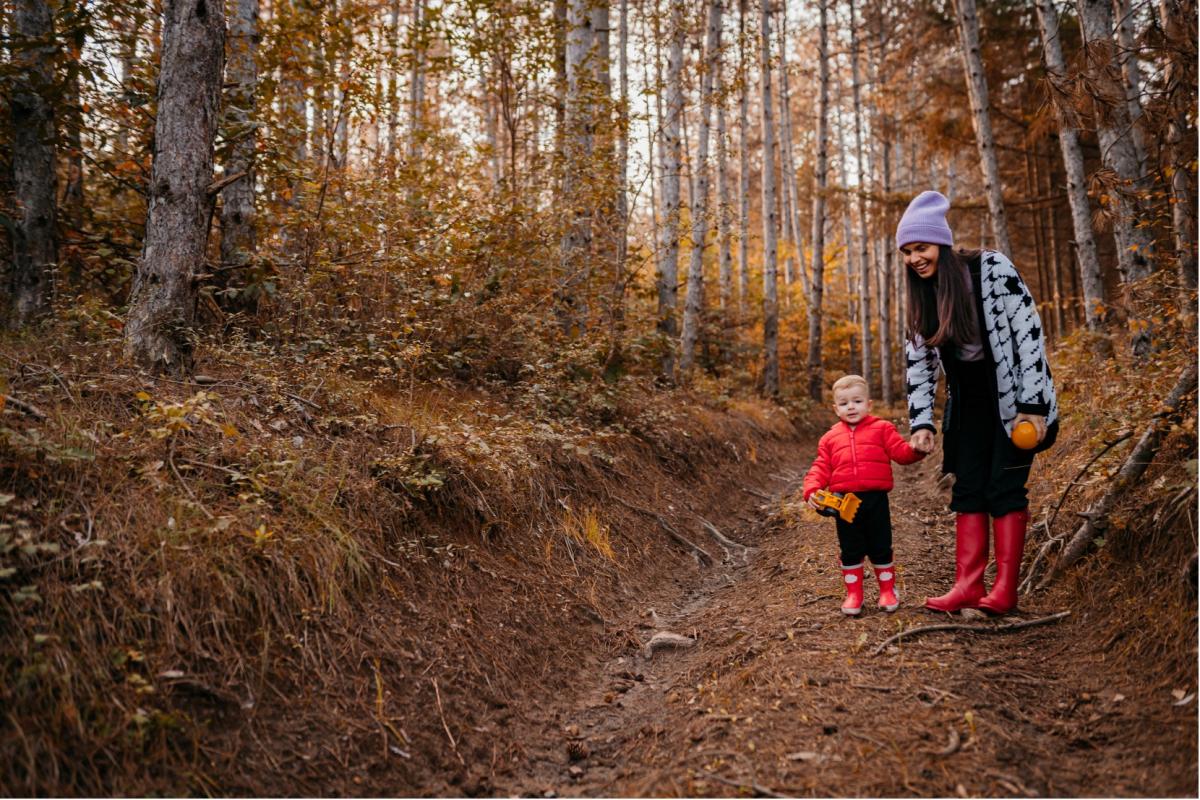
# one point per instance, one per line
(849, 506)
(843, 505)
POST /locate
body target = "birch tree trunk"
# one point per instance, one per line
(577, 142)
(1131, 72)
(968, 32)
(393, 86)
(416, 83)
(1135, 242)
(238, 240)
(162, 306)
(694, 300)
(816, 377)
(864, 240)
(671, 147)
(724, 211)
(743, 164)
(1072, 155)
(788, 161)
(622, 187)
(851, 252)
(35, 240)
(1183, 193)
(770, 379)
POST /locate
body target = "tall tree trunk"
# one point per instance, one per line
(788, 161)
(416, 83)
(1131, 73)
(851, 269)
(724, 210)
(743, 163)
(578, 147)
(1135, 242)
(1072, 156)
(393, 62)
(816, 377)
(694, 301)
(35, 240)
(238, 240)
(162, 306)
(770, 376)
(981, 115)
(653, 126)
(560, 81)
(671, 148)
(73, 201)
(622, 187)
(1175, 25)
(864, 239)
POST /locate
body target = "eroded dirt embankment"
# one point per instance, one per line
(782, 694)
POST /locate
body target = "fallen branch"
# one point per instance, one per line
(726, 543)
(1096, 517)
(441, 713)
(666, 640)
(699, 552)
(758, 789)
(757, 493)
(1012, 626)
(23, 407)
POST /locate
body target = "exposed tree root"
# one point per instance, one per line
(1012, 626)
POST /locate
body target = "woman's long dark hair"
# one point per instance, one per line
(940, 308)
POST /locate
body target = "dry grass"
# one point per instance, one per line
(245, 586)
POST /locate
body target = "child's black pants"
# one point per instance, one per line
(870, 535)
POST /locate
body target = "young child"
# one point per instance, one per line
(856, 455)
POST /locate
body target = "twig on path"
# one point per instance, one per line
(696, 549)
(757, 493)
(1012, 626)
(867, 738)
(816, 599)
(952, 745)
(453, 744)
(759, 789)
(183, 483)
(869, 686)
(24, 408)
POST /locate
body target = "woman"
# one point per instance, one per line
(971, 315)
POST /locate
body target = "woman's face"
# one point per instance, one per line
(921, 258)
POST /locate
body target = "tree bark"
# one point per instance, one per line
(770, 375)
(671, 148)
(238, 237)
(816, 377)
(724, 210)
(968, 31)
(578, 143)
(163, 302)
(694, 301)
(1135, 242)
(743, 163)
(1072, 155)
(35, 182)
(1131, 73)
(1181, 91)
(788, 162)
(864, 239)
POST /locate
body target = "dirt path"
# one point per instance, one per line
(781, 694)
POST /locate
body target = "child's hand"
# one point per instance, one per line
(812, 502)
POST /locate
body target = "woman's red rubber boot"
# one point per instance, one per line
(970, 560)
(853, 578)
(1010, 545)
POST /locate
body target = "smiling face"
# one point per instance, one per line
(851, 403)
(921, 258)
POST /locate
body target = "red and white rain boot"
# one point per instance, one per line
(853, 578)
(885, 574)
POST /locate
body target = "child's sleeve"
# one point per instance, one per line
(899, 450)
(819, 472)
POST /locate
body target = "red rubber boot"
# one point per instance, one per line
(853, 578)
(1009, 531)
(970, 559)
(885, 574)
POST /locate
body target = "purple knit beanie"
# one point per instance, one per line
(925, 221)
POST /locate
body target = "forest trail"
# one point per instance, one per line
(781, 694)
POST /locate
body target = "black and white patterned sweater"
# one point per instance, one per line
(1014, 336)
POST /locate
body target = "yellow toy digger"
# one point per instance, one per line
(835, 504)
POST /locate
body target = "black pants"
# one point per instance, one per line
(871, 532)
(990, 471)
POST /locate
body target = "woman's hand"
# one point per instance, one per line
(1038, 422)
(922, 441)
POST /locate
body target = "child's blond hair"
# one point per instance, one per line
(846, 381)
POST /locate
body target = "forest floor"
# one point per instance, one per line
(782, 694)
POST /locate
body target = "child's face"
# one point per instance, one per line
(851, 404)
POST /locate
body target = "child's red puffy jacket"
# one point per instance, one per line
(859, 458)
